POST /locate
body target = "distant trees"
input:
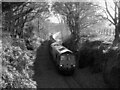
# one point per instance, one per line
(78, 16)
(114, 19)
(16, 14)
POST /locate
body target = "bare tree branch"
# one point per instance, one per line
(67, 7)
(115, 15)
(109, 11)
(106, 18)
(116, 4)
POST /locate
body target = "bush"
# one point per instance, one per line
(91, 54)
(19, 43)
(85, 58)
(111, 72)
(16, 72)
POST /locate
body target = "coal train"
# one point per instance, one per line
(63, 58)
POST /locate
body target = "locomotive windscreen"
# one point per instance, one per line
(61, 49)
(67, 59)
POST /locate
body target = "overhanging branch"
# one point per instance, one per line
(109, 11)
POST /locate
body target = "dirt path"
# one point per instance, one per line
(47, 76)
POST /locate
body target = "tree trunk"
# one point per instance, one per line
(117, 35)
(73, 24)
(117, 29)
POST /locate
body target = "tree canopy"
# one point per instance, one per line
(112, 14)
(16, 14)
(77, 15)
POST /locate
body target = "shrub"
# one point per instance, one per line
(91, 54)
(111, 72)
(16, 72)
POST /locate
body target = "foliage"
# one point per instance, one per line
(91, 54)
(78, 16)
(28, 30)
(86, 51)
(111, 72)
(36, 42)
(16, 64)
(102, 57)
(16, 14)
(112, 14)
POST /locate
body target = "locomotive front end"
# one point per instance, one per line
(67, 62)
(63, 58)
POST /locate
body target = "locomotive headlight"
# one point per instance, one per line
(61, 65)
(73, 65)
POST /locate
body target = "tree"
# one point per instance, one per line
(114, 19)
(78, 16)
(16, 14)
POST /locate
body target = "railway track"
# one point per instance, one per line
(71, 82)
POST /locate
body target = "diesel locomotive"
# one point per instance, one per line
(63, 58)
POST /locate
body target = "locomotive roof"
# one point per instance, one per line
(61, 49)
